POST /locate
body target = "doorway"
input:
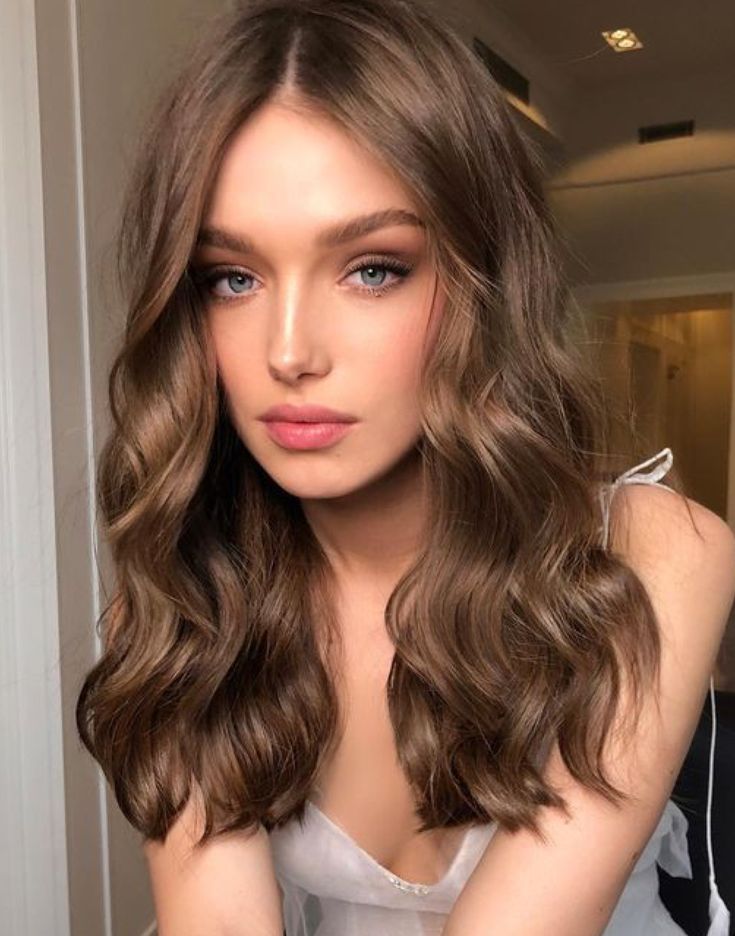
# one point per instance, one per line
(669, 362)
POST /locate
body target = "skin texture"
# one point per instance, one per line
(299, 328)
(228, 888)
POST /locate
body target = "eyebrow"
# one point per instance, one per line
(340, 233)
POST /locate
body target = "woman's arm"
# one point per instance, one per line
(228, 888)
(570, 886)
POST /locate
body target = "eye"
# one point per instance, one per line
(234, 278)
(377, 266)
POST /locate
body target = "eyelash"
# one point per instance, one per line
(209, 277)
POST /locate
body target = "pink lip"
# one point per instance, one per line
(305, 414)
(294, 435)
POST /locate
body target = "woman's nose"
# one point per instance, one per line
(295, 345)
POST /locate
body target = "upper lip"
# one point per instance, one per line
(310, 414)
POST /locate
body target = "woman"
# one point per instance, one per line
(404, 626)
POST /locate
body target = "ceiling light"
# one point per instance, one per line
(622, 39)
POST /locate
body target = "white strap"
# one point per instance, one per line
(718, 913)
(634, 474)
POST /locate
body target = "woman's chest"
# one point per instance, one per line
(362, 787)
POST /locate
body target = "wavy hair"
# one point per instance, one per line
(516, 626)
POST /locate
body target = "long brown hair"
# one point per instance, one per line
(515, 626)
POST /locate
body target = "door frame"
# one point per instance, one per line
(54, 863)
(33, 860)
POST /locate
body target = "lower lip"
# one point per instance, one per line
(295, 435)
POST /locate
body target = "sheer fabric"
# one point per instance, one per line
(332, 887)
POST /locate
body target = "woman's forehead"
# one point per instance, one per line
(285, 158)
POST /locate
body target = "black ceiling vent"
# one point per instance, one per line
(670, 131)
(506, 76)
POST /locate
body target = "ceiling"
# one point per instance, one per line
(678, 36)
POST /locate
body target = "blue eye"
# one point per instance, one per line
(382, 266)
(371, 269)
(235, 278)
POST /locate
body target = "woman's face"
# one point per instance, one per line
(299, 316)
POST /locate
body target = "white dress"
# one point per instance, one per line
(332, 887)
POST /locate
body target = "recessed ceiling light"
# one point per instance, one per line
(622, 39)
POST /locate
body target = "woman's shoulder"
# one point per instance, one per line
(684, 553)
(666, 528)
